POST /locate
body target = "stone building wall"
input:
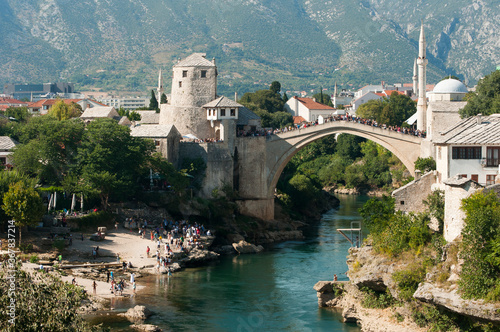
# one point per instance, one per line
(188, 120)
(410, 197)
(453, 214)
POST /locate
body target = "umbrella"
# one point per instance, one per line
(190, 136)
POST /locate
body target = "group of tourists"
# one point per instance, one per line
(331, 118)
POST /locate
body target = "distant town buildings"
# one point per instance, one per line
(127, 103)
(33, 92)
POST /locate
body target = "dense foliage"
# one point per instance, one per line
(392, 111)
(268, 105)
(98, 160)
(480, 247)
(42, 303)
(486, 98)
(425, 164)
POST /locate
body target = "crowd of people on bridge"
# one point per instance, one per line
(332, 118)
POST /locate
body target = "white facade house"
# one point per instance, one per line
(470, 149)
(366, 98)
(308, 108)
(6, 146)
(128, 103)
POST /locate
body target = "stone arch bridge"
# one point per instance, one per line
(259, 173)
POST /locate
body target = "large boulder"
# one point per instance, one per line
(145, 327)
(452, 301)
(137, 313)
(244, 247)
(198, 257)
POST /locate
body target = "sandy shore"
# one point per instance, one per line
(128, 245)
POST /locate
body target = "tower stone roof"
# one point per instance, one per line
(222, 102)
(195, 60)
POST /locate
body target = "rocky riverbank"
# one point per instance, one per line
(371, 273)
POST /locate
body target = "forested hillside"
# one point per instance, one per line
(120, 44)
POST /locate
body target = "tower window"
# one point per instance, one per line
(223, 112)
(233, 112)
(184, 73)
(203, 73)
(180, 84)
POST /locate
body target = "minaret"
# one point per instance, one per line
(159, 89)
(335, 95)
(415, 78)
(422, 98)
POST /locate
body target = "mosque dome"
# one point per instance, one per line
(450, 85)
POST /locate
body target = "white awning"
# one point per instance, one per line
(412, 119)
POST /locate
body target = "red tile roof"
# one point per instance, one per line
(43, 102)
(298, 120)
(313, 105)
(389, 92)
(6, 100)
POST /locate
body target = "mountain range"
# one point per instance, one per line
(304, 44)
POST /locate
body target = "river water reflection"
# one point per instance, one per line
(271, 291)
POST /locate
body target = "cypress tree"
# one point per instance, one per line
(153, 102)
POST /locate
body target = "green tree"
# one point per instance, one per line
(163, 99)
(392, 111)
(43, 303)
(371, 109)
(264, 100)
(48, 148)
(479, 275)
(19, 113)
(281, 119)
(109, 152)
(275, 87)
(23, 204)
(348, 146)
(285, 98)
(323, 98)
(398, 109)
(425, 164)
(486, 99)
(153, 102)
(62, 111)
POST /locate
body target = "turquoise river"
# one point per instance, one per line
(271, 291)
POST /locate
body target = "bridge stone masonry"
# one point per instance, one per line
(262, 159)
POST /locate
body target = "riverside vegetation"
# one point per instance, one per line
(419, 254)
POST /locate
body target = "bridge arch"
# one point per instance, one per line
(284, 146)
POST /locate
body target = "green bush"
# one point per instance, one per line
(376, 300)
(480, 271)
(34, 259)
(407, 280)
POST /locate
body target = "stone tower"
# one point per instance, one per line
(422, 82)
(194, 84)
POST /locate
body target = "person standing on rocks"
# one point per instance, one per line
(132, 278)
(107, 276)
(94, 286)
(147, 251)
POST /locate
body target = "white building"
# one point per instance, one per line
(128, 103)
(6, 146)
(470, 149)
(308, 108)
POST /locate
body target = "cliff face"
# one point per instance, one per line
(121, 43)
(369, 271)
